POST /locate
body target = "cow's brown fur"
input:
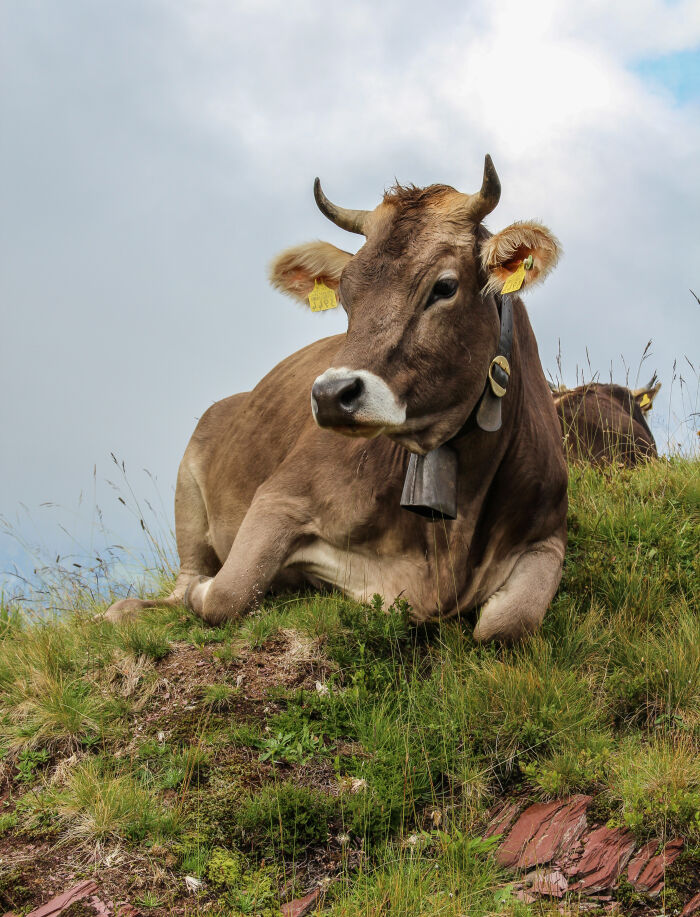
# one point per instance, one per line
(606, 423)
(267, 498)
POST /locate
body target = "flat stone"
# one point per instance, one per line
(651, 878)
(62, 902)
(525, 828)
(552, 883)
(301, 906)
(542, 831)
(606, 852)
(640, 860)
(692, 907)
(502, 819)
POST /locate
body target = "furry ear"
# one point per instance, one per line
(504, 252)
(645, 396)
(295, 270)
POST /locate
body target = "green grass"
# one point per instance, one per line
(388, 756)
(219, 697)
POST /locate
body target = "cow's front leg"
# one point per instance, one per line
(270, 531)
(517, 608)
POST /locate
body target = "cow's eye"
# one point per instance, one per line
(445, 288)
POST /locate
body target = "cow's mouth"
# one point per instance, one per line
(363, 431)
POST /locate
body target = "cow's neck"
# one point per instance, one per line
(431, 484)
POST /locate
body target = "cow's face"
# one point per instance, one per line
(422, 323)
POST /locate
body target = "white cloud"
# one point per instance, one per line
(156, 156)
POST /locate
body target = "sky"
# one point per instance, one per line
(154, 156)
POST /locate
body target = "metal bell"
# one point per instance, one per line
(430, 488)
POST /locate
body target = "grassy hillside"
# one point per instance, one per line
(320, 741)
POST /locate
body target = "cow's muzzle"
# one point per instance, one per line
(335, 401)
(355, 402)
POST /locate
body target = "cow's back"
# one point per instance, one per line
(603, 423)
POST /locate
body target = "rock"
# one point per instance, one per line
(63, 902)
(301, 906)
(543, 830)
(606, 853)
(552, 883)
(692, 907)
(502, 819)
(650, 878)
(640, 860)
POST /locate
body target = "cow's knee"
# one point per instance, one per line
(507, 619)
(212, 602)
(518, 607)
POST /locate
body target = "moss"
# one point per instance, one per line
(682, 878)
(8, 821)
(14, 893)
(627, 895)
(245, 889)
(79, 909)
(602, 810)
(285, 818)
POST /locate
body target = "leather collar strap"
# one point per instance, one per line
(488, 414)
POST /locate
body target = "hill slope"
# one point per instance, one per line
(324, 744)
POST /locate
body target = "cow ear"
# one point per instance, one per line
(530, 244)
(296, 270)
(645, 396)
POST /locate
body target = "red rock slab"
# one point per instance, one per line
(301, 906)
(552, 883)
(651, 877)
(606, 852)
(62, 902)
(503, 819)
(640, 860)
(542, 831)
(692, 907)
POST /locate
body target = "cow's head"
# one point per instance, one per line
(422, 323)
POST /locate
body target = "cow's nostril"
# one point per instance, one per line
(335, 401)
(351, 393)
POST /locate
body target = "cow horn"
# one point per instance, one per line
(485, 200)
(352, 220)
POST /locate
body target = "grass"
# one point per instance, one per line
(320, 737)
(97, 804)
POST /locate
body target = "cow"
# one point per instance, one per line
(606, 423)
(300, 480)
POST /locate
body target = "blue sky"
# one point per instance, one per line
(154, 157)
(677, 74)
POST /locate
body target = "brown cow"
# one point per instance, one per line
(606, 423)
(269, 495)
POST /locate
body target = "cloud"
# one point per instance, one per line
(156, 156)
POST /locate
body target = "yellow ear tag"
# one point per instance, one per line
(515, 281)
(322, 298)
(644, 400)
